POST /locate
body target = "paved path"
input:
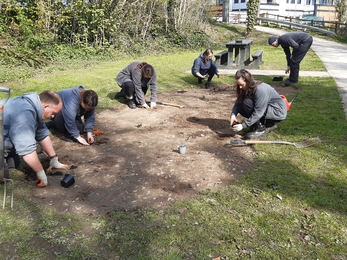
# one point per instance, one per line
(332, 54)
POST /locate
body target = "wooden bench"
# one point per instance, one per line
(257, 59)
(221, 58)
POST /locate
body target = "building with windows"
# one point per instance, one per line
(293, 8)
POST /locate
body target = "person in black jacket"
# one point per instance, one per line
(300, 42)
(259, 103)
(134, 80)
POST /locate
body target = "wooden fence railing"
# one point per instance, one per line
(328, 27)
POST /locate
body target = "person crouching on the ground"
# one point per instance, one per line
(301, 43)
(204, 67)
(77, 103)
(259, 103)
(134, 81)
(24, 126)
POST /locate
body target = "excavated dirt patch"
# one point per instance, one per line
(136, 164)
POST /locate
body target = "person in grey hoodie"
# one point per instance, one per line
(259, 103)
(134, 81)
(24, 126)
(78, 103)
(204, 67)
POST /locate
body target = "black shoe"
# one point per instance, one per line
(207, 85)
(199, 80)
(260, 130)
(288, 82)
(131, 104)
(120, 94)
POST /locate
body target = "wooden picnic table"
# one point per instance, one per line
(239, 52)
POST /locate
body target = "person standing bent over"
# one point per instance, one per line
(259, 103)
(24, 126)
(134, 81)
(300, 43)
(77, 103)
(203, 67)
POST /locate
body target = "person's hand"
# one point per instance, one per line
(217, 75)
(41, 179)
(237, 127)
(232, 120)
(90, 138)
(144, 105)
(81, 140)
(287, 70)
(153, 104)
(55, 164)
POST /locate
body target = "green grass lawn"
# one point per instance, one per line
(291, 205)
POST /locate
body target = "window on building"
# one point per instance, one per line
(308, 2)
(243, 1)
(292, 1)
(299, 2)
(236, 1)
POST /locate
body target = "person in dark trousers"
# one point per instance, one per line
(78, 103)
(134, 80)
(300, 42)
(24, 127)
(259, 103)
(204, 67)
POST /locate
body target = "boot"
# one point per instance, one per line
(131, 103)
(207, 85)
(259, 130)
(120, 94)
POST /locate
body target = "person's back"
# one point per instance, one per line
(22, 119)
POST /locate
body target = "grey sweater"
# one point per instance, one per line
(266, 99)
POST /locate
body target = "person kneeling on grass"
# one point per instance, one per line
(259, 103)
(134, 81)
(203, 67)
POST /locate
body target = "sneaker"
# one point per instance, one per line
(131, 104)
(259, 130)
(288, 82)
(207, 85)
(120, 94)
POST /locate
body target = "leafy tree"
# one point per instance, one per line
(340, 7)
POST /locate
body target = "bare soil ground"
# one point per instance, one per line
(136, 164)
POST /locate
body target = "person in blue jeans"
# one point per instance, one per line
(204, 67)
(300, 42)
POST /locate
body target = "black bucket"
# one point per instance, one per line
(67, 181)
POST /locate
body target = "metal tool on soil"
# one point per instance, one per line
(3, 165)
(302, 144)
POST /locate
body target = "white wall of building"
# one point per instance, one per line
(276, 7)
